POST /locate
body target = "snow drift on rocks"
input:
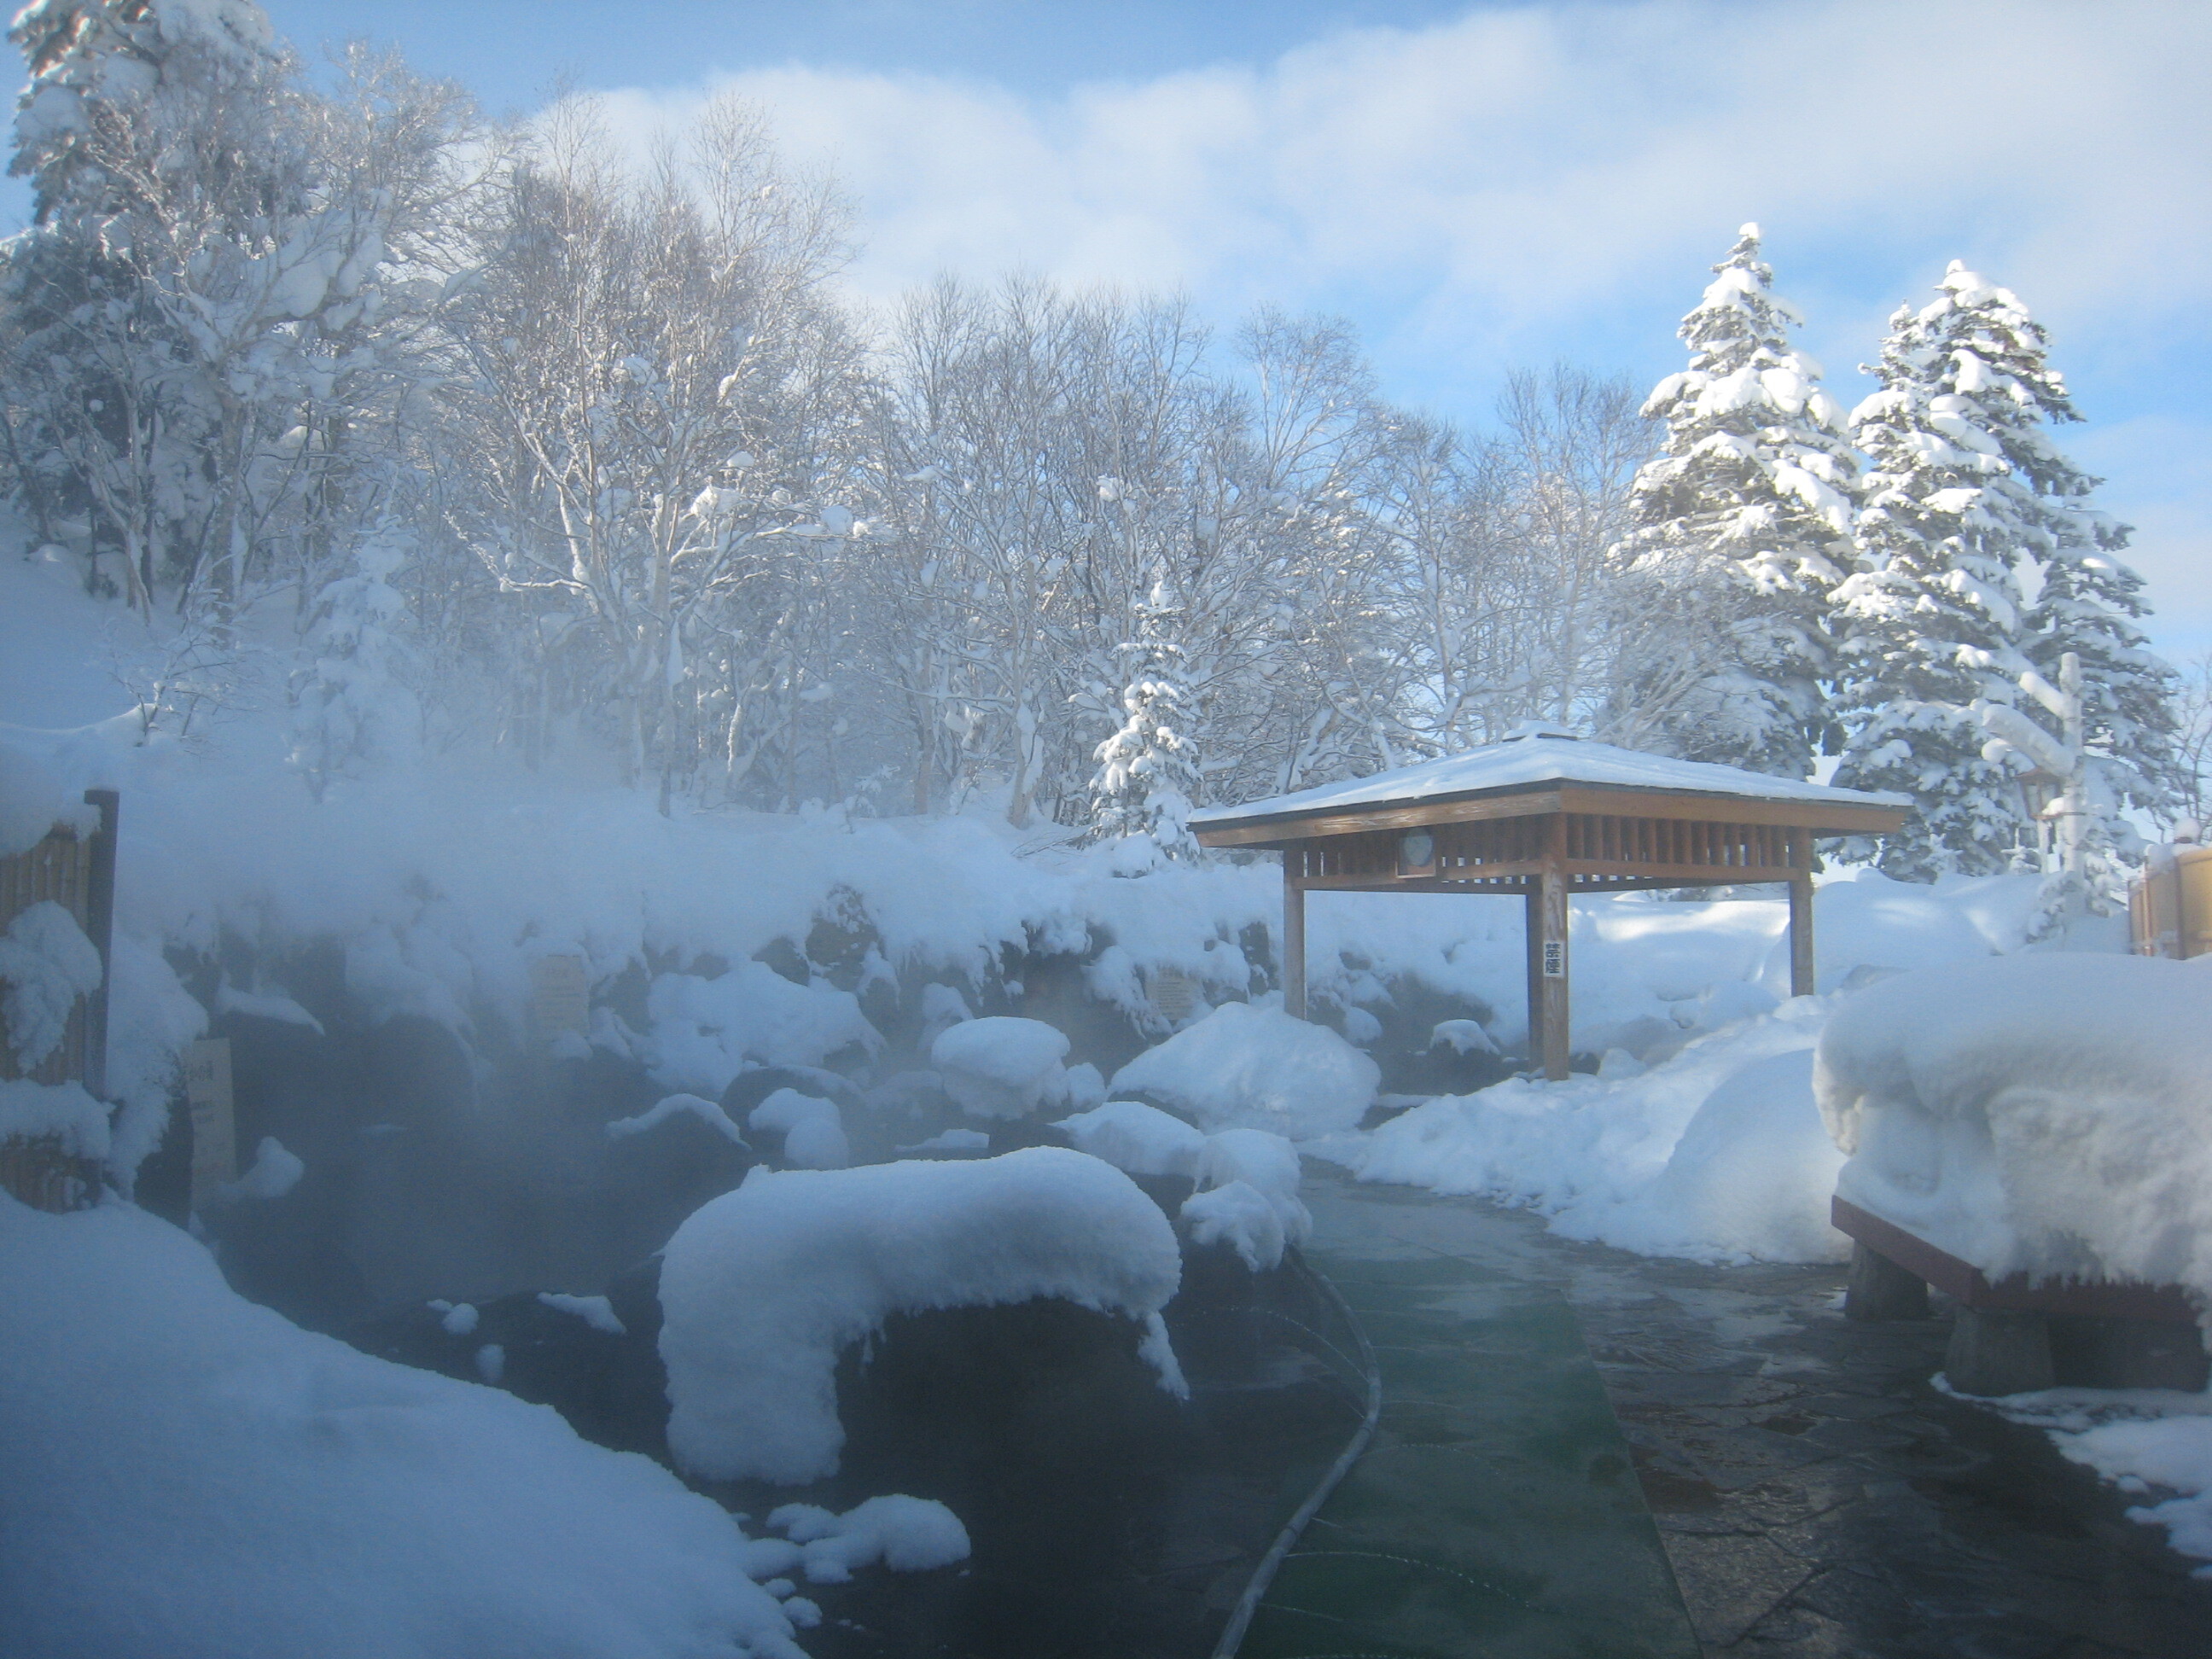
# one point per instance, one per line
(761, 1287)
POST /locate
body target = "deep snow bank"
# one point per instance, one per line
(1717, 1153)
(762, 1287)
(186, 1474)
(2049, 1113)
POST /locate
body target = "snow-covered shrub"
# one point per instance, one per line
(761, 1287)
(1000, 1066)
(1258, 1068)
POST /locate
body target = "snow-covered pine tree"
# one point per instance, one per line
(2124, 698)
(351, 704)
(1742, 526)
(1966, 501)
(1147, 773)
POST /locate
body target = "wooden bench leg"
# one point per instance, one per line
(1880, 1289)
(1995, 1350)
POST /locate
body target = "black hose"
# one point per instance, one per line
(1240, 1616)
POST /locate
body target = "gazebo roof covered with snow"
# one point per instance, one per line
(1547, 814)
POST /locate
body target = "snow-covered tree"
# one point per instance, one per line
(198, 340)
(1742, 527)
(351, 704)
(1966, 503)
(2120, 704)
(1147, 774)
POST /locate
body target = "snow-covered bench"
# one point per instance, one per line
(2032, 1135)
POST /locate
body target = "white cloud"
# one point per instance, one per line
(1544, 180)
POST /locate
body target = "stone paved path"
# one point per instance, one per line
(1817, 1498)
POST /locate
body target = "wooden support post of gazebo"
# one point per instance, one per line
(1547, 815)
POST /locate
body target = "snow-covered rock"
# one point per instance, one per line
(813, 1134)
(1258, 1068)
(1239, 1216)
(1137, 1139)
(763, 1286)
(1000, 1066)
(907, 1535)
(275, 1172)
(2049, 1113)
(705, 1031)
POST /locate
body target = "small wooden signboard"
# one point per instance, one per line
(1172, 993)
(560, 995)
(215, 1125)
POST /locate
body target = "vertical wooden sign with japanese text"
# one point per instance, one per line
(215, 1128)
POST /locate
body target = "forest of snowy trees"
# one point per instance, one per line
(459, 434)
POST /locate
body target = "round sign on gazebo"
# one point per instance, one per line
(1547, 815)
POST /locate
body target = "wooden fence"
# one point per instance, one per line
(76, 871)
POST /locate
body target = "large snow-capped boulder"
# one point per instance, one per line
(2048, 1113)
(1000, 1066)
(762, 1287)
(1243, 1066)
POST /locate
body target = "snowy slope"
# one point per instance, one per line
(185, 1474)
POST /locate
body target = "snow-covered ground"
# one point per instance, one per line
(446, 883)
(189, 1475)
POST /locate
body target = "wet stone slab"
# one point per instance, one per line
(1815, 1496)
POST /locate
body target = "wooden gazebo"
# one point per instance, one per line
(1547, 815)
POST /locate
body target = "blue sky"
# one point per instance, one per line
(1479, 186)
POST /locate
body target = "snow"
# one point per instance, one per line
(813, 1134)
(952, 1140)
(706, 1030)
(761, 1287)
(2049, 1113)
(1715, 1153)
(706, 1111)
(2152, 1442)
(265, 1005)
(1530, 762)
(1266, 1163)
(1240, 1216)
(1137, 1139)
(310, 1498)
(47, 965)
(275, 1172)
(1258, 1068)
(594, 1310)
(35, 799)
(999, 1066)
(1461, 1036)
(906, 1534)
(29, 1110)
